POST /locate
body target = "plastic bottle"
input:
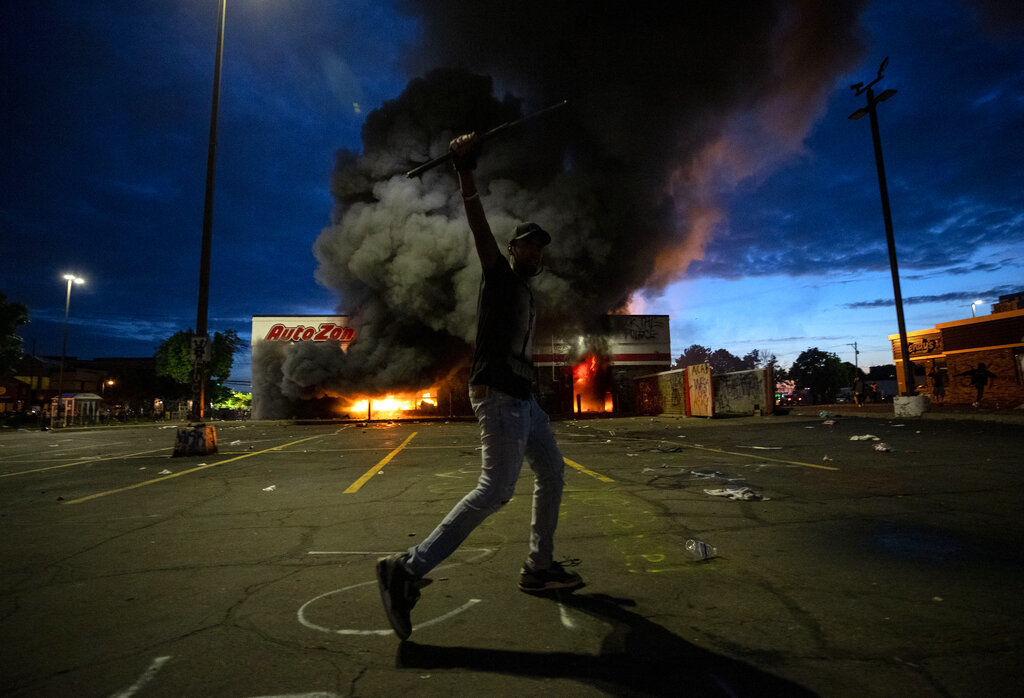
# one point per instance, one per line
(699, 550)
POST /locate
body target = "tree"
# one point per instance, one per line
(174, 360)
(757, 358)
(821, 372)
(693, 355)
(12, 315)
(236, 401)
(724, 361)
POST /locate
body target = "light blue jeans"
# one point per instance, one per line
(510, 429)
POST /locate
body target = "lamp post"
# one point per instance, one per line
(870, 110)
(198, 439)
(201, 341)
(71, 279)
(977, 302)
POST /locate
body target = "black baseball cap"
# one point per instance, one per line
(524, 230)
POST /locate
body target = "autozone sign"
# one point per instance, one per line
(325, 331)
(302, 328)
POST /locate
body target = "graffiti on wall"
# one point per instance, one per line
(698, 379)
(742, 392)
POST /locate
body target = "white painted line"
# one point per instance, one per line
(146, 677)
(567, 620)
(351, 631)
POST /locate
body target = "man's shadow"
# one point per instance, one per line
(638, 657)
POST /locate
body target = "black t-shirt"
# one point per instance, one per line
(503, 357)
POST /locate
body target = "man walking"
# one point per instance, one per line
(512, 424)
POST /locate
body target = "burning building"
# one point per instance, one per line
(594, 373)
(575, 373)
(630, 180)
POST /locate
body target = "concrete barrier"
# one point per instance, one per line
(910, 405)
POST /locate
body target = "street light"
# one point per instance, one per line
(71, 279)
(199, 439)
(978, 302)
(869, 110)
(202, 340)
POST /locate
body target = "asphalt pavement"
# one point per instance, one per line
(842, 568)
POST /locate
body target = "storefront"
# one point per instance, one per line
(975, 360)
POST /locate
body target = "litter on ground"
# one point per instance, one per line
(165, 471)
(882, 447)
(270, 489)
(744, 494)
(864, 437)
(763, 448)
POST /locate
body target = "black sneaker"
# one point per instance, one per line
(554, 577)
(399, 591)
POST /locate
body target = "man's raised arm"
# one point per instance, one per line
(464, 153)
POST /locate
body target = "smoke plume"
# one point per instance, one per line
(671, 107)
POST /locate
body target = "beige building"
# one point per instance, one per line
(961, 361)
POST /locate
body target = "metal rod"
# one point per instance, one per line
(431, 164)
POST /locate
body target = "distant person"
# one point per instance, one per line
(858, 392)
(980, 377)
(938, 385)
(512, 424)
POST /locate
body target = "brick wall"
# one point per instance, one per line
(1005, 390)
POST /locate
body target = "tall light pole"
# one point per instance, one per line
(71, 279)
(977, 302)
(200, 439)
(869, 110)
(202, 340)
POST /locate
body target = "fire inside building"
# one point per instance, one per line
(575, 373)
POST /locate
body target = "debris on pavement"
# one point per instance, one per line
(743, 494)
(235, 442)
(270, 489)
(864, 437)
(763, 448)
(882, 446)
(825, 459)
(165, 471)
(699, 550)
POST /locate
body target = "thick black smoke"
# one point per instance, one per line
(671, 106)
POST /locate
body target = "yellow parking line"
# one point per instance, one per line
(190, 470)
(354, 487)
(591, 473)
(83, 462)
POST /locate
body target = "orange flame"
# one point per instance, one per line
(392, 405)
(585, 395)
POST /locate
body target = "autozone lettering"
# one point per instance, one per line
(326, 331)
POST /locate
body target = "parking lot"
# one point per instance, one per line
(852, 571)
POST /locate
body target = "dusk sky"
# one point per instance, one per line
(106, 112)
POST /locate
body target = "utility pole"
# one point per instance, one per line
(855, 353)
(870, 110)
